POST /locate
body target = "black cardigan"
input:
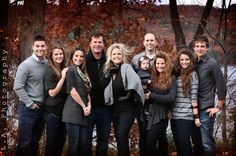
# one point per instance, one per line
(54, 105)
(94, 68)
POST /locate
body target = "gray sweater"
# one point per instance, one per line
(28, 84)
(73, 112)
(131, 81)
(182, 107)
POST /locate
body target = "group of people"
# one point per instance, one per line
(100, 89)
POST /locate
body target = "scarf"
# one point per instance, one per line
(86, 80)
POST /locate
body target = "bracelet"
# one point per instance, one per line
(194, 106)
(195, 116)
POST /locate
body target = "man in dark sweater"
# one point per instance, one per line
(211, 81)
(101, 115)
(28, 86)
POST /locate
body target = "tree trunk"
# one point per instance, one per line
(224, 117)
(218, 34)
(31, 24)
(179, 35)
(62, 2)
(205, 15)
(4, 5)
(234, 132)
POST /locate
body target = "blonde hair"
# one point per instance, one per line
(162, 80)
(125, 51)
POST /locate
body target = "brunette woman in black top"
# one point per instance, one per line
(161, 96)
(54, 81)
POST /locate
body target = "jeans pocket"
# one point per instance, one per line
(204, 116)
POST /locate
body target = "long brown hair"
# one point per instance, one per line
(162, 80)
(52, 65)
(186, 74)
(83, 65)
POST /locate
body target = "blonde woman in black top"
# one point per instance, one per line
(124, 91)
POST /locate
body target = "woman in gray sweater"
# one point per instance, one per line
(185, 120)
(77, 106)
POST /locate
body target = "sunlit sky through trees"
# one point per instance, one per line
(217, 3)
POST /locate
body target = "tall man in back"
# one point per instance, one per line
(211, 81)
(101, 115)
(150, 45)
(28, 86)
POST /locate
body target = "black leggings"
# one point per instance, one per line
(153, 137)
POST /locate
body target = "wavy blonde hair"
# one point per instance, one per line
(162, 80)
(125, 51)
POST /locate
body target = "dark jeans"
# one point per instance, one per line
(206, 128)
(122, 125)
(56, 135)
(183, 131)
(101, 116)
(153, 137)
(76, 139)
(31, 125)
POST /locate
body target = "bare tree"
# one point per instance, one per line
(205, 15)
(234, 133)
(224, 130)
(179, 35)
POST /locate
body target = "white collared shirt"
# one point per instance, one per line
(36, 58)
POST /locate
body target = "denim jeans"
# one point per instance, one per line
(76, 139)
(56, 135)
(101, 116)
(122, 125)
(183, 131)
(31, 126)
(206, 128)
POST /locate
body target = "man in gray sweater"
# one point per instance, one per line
(28, 86)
